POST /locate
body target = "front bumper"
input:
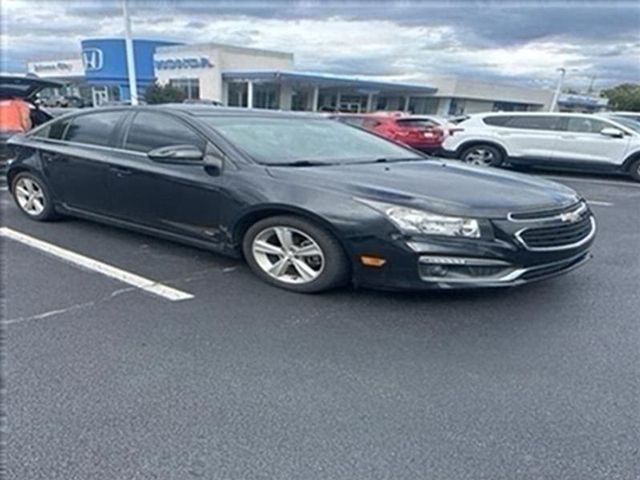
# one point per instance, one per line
(448, 263)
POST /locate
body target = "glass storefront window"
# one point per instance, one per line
(189, 86)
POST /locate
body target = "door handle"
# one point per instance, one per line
(120, 171)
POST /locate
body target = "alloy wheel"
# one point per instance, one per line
(30, 196)
(288, 255)
(480, 156)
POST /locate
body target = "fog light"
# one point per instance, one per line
(369, 261)
(436, 271)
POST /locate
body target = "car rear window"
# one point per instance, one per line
(416, 123)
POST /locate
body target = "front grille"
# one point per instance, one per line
(558, 236)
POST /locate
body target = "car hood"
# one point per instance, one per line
(23, 87)
(439, 186)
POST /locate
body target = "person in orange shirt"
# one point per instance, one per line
(15, 116)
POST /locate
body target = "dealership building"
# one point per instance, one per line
(253, 78)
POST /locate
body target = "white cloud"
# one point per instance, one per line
(393, 49)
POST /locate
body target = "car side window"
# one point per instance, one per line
(497, 121)
(57, 129)
(534, 122)
(94, 128)
(149, 131)
(586, 125)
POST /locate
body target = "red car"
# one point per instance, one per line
(420, 132)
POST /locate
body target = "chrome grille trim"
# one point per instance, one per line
(579, 243)
(578, 208)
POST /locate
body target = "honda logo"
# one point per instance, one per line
(92, 59)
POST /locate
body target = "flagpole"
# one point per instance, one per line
(131, 62)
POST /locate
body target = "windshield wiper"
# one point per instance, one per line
(300, 163)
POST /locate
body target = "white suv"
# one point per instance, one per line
(557, 140)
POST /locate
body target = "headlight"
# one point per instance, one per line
(412, 221)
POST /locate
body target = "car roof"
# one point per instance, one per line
(24, 86)
(529, 114)
(195, 110)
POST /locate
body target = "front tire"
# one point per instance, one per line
(634, 170)
(483, 156)
(295, 254)
(32, 197)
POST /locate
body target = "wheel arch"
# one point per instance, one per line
(249, 218)
(13, 172)
(632, 157)
(472, 143)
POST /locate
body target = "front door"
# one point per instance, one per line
(179, 198)
(581, 141)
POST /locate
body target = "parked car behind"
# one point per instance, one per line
(569, 141)
(24, 88)
(424, 133)
(308, 202)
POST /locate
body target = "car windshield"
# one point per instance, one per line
(627, 122)
(304, 141)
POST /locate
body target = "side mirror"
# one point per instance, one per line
(612, 132)
(213, 161)
(176, 154)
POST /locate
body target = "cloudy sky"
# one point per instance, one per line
(513, 42)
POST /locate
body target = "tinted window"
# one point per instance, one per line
(57, 129)
(500, 121)
(417, 123)
(628, 122)
(93, 129)
(153, 130)
(534, 122)
(281, 140)
(586, 125)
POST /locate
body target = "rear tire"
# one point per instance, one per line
(32, 196)
(634, 170)
(295, 254)
(483, 156)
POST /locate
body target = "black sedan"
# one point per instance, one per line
(309, 202)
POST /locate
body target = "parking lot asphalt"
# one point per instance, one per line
(245, 381)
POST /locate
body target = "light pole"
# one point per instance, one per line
(131, 61)
(556, 95)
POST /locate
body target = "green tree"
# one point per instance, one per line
(625, 96)
(163, 94)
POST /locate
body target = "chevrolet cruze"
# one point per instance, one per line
(309, 203)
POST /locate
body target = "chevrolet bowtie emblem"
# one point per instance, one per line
(570, 217)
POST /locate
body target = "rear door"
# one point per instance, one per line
(530, 137)
(75, 159)
(581, 142)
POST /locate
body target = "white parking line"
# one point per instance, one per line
(129, 278)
